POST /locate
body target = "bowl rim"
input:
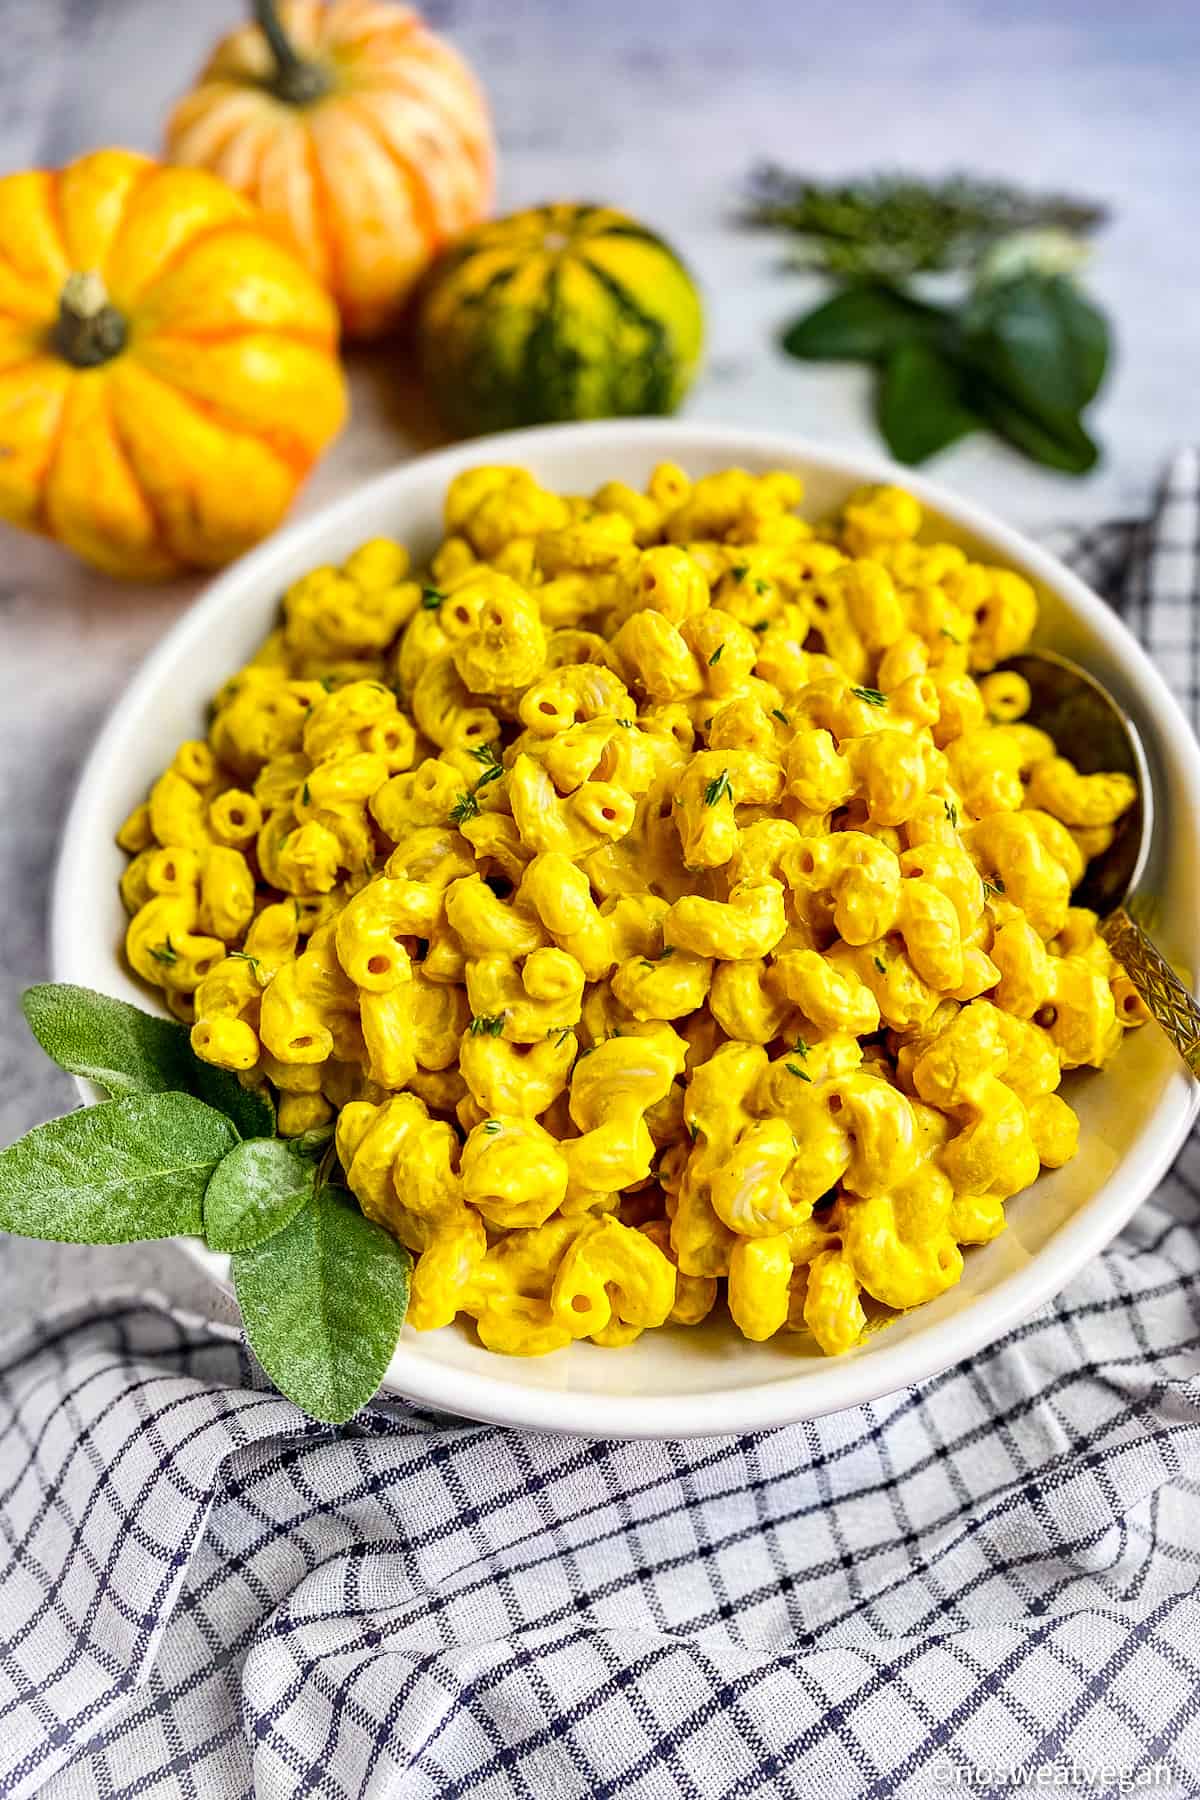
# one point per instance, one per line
(847, 1381)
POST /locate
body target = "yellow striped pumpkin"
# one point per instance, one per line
(559, 312)
(168, 368)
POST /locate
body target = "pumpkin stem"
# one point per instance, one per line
(295, 80)
(89, 329)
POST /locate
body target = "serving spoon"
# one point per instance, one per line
(1092, 731)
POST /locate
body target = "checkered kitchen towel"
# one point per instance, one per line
(987, 1579)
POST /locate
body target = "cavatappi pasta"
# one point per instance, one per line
(659, 893)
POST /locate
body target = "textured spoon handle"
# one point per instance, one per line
(1156, 981)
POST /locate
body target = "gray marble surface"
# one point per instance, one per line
(662, 109)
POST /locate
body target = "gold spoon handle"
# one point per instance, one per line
(1157, 983)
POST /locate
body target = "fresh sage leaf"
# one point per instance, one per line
(922, 403)
(119, 1047)
(1063, 445)
(1040, 344)
(1085, 330)
(251, 1110)
(256, 1191)
(323, 1303)
(863, 324)
(116, 1173)
(127, 1051)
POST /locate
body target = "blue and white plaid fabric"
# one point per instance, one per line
(987, 1582)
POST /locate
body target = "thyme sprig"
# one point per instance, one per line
(891, 226)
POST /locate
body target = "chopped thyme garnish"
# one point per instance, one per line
(717, 788)
(715, 658)
(486, 1025)
(467, 805)
(872, 696)
(795, 1069)
(431, 598)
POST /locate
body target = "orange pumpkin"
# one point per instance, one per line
(362, 136)
(168, 370)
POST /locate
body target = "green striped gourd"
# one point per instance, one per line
(558, 312)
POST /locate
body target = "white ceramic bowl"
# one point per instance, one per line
(681, 1382)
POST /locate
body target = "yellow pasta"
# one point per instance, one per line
(663, 900)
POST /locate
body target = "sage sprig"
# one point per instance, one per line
(181, 1148)
(1023, 358)
(1022, 354)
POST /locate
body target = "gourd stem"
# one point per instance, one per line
(295, 80)
(89, 329)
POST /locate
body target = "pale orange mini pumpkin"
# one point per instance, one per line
(168, 370)
(360, 133)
